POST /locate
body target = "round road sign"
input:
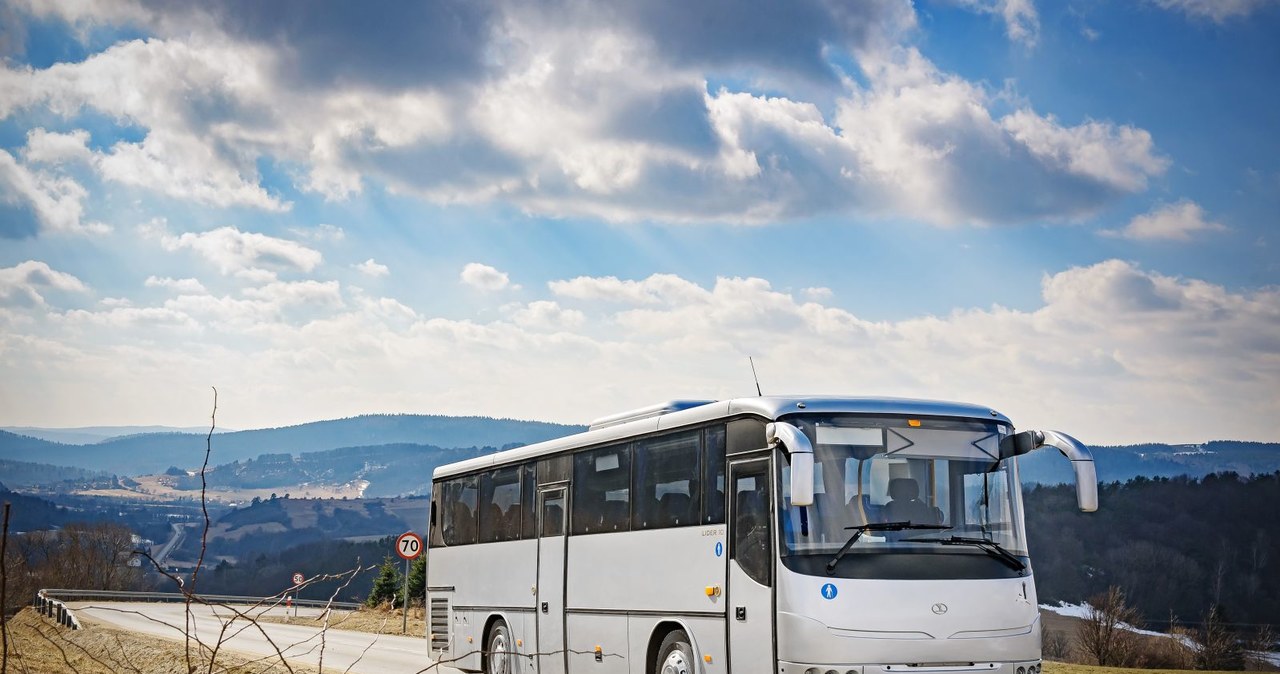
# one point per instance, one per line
(408, 545)
(299, 579)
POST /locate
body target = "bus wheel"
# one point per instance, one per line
(498, 657)
(675, 655)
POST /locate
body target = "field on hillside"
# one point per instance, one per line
(153, 487)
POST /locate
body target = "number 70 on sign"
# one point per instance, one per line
(408, 545)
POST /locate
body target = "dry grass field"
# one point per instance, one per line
(381, 620)
(37, 645)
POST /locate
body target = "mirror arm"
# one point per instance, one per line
(801, 451)
(1081, 460)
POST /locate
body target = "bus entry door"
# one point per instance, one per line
(750, 599)
(550, 594)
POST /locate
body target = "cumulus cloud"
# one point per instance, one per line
(1169, 222)
(582, 110)
(181, 285)
(235, 252)
(1022, 22)
(51, 147)
(373, 269)
(484, 277)
(1109, 343)
(23, 283)
(39, 199)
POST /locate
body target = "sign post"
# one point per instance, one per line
(298, 580)
(408, 546)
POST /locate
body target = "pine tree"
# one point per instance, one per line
(386, 587)
(418, 580)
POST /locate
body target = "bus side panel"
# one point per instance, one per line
(666, 570)
(586, 632)
(487, 577)
(706, 635)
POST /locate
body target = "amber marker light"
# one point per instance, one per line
(914, 423)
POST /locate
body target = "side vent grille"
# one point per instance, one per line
(440, 624)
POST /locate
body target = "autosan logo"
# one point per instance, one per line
(939, 608)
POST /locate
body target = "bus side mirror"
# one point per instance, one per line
(801, 451)
(1082, 461)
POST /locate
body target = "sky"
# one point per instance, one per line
(1066, 211)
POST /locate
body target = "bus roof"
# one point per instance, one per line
(767, 407)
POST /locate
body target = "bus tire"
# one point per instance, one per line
(498, 656)
(675, 655)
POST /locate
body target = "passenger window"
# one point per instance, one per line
(752, 526)
(553, 513)
(435, 538)
(713, 476)
(500, 505)
(666, 481)
(602, 490)
(458, 514)
(528, 492)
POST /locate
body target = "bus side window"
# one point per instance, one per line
(666, 490)
(601, 490)
(752, 530)
(436, 536)
(459, 510)
(528, 494)
(713, 476)
(500, 504)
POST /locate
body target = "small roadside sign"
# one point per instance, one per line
(298, 578)
(408, 546)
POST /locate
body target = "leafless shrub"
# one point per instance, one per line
(1103, 634)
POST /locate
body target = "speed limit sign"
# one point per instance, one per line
(298, 578)
(408, 545)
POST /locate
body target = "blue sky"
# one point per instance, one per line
(1065, 210)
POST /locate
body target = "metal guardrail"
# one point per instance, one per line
(52, 608)
(54, 594)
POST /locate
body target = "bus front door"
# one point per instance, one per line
(550, 587)
(750, 597)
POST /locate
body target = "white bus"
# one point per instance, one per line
(797, 535)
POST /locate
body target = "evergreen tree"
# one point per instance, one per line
(386, 587)
(418, 580)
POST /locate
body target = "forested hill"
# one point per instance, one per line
(1117, 464)
(154, 452)
(1174, 545)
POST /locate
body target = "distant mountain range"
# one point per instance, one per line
(151, 453)
(396, 453)
(1123, 463)
(89, 435)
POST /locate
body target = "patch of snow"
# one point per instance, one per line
(1083, 610)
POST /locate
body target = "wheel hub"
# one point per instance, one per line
(676, 663)
(498, 663)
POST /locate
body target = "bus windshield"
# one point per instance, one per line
(960, 506)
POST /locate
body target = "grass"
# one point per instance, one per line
(38, 645)
(1066, 668)
(380, 620)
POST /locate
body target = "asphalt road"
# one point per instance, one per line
(360, 651)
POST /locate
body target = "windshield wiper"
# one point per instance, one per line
(990, 547)
(874, 526)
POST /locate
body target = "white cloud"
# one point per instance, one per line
(49, 147)
(247, 254)
(1110, 343)
(183, 285)
(1022, 22)
(484, 277)
(54, 201)
(322, 232)
(1218, 11)
(23, 283)
(592, 112)
(1170, 222)
(371, 268)
(1122, 156)
(545, 315)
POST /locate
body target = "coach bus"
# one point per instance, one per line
(794, 535)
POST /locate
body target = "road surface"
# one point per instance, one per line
(362, 652)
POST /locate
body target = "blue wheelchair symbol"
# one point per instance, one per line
(719, 549)
(829, 591)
